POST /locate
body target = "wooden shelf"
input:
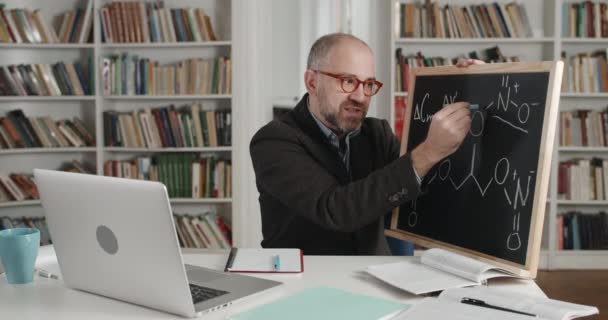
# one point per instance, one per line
(579, 259)
(156, 45)
(173, 201)
(47, 98)
(583, 149)
(585, 40)
(200, 201)
(46, 150)
(21, 46)
(581, 252)
(156, 150)
(582, 203)
(169, 97)
(584, 95)
(9, 204)
(473, 40)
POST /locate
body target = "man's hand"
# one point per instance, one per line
(448, 129)
(463, 63)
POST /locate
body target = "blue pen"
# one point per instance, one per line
(276, 262)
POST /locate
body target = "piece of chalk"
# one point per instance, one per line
(473, 107)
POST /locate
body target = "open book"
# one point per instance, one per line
(436, 270)
(493, 304)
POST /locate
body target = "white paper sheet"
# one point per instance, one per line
(440, 309)
(262, 260)
(416, 278)
(543, 307)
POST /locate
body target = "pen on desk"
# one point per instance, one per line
(481, 303)
(276, 260)
(46, 274)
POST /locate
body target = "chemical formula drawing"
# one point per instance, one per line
(489, 168)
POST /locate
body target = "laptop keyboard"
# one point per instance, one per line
(200, 294)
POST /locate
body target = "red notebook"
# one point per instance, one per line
(265, 260)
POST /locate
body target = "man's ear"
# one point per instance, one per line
(310, 81)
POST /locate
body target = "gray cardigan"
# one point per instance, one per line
(309, 201)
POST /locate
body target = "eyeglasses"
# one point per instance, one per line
(351, 83)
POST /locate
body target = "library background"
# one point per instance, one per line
(173, 91)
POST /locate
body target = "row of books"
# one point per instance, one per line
(21, 186)
(19, 131)
(59, 79)
(406, 62)
(186, 175)
(28, 222)
(137, 21)
(127, 74)
(17, 187)
(585, 128)
(583, 179)
(26, 26)
(188, 126)
(582, 231)
(207, 230)
(430, 20)
(585, 72)
(75, 26)
(585, 19)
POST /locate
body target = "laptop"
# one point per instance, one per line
(116, 238)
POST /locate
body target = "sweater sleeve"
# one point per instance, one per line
(287, 171)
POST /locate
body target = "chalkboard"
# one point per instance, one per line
(487, 200)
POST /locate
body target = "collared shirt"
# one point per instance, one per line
(341, 145)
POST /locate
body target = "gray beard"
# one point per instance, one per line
(340, 129)
(333, 120)
(343, 128)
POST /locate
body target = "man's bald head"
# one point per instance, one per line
(319, 52)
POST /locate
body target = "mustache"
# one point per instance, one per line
(354, 104)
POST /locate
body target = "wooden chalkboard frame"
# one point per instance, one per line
(555, 69)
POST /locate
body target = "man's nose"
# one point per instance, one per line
(358, 94)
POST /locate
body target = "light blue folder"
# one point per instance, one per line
(323, 303)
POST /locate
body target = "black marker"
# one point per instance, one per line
(481, 303)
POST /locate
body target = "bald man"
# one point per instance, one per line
(326, 174)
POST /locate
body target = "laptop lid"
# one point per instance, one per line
(114, 237)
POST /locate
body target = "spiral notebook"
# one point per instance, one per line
(265, 260)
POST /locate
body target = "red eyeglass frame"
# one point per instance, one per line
(359, 82)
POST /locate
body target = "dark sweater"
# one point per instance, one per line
(307, 198)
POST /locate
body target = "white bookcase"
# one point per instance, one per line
(547, 44)
(84, 107)
(90, 108)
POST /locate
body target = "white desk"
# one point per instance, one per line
(50, 299)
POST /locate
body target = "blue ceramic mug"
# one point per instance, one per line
(18, 252)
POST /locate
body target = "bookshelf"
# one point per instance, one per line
(547, 43)
(91, 108)
(174, 98)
